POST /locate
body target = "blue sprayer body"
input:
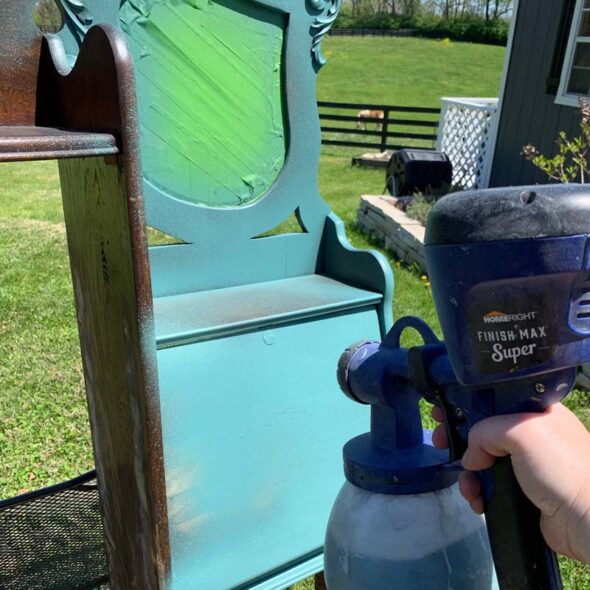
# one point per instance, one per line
(399, 522)
(510, 275)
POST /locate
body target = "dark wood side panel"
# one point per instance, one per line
(529, 114)
(105, 225)
(118, 352)
(99, 93)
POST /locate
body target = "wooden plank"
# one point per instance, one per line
(108, 257)
(369, 132)
(44, 143)
(368, 162)
(379, 107)
(351, 118)
(377, 146)
(403, 135)
(204, 315)
(105, 225)
(366, 132)
(407, 122)
(413, 123)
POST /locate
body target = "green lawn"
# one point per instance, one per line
(402, 72)
(44, 435)
(407, 71)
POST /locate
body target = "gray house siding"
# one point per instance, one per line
(529, 114)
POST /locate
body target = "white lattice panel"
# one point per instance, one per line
(465, 135)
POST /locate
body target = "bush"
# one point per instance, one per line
(470, 28)
(473, 29)
(572, 161)
(419, 208)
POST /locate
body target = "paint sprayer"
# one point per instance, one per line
(510, 275)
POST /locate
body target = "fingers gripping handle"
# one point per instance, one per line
(522, 558)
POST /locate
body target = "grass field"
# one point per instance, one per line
(44, 435)
(407, 71)
(402, 72)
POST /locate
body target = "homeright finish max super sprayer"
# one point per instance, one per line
(510, 275)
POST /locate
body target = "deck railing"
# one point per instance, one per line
(466, 134)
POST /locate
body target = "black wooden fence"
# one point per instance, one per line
(401, 126)
(374, 33)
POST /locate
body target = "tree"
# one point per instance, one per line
(490, 10)
(494, 9)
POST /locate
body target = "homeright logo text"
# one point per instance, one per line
(498, 317)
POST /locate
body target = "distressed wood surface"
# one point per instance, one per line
(105, 225)
(118, 352)
(39, 107)
(20, 143)
(98, 95)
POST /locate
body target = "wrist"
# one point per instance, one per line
(580, 540)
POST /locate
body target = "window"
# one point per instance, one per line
(575, 76)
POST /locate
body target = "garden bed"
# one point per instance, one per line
(378, 216)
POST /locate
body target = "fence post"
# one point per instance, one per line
(384, 127)
(445, 104)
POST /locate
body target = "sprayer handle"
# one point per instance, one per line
(522, 558)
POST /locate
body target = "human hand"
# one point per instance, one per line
(550, 455)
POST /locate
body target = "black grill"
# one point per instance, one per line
(53, 539)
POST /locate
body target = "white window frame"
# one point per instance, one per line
(563, 97)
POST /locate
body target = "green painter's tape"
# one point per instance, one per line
(209, 86)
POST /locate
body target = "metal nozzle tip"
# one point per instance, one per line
(343, 366)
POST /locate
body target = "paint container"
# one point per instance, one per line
(430, 541)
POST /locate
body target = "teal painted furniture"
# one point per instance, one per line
(240, 333)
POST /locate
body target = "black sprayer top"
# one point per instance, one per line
(510, 213)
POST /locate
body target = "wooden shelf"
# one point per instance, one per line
(193, 317)
(47, 143)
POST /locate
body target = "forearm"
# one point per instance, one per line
(579, 529)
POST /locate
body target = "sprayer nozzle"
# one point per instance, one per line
(343, 366)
